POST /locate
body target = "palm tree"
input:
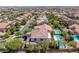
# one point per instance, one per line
(56, 23)
(38, 48)
(31, 48)
(44, 45)
(66, 36)
(63, 42)
(23, 22)
(72, 44)
(53, 44)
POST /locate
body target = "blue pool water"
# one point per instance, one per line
(58, 37)
(62, 46)
(75, 37)
(49, 38)
(57, 31)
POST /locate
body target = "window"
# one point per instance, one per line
(30, 40)
(34, 39)
(25, 38)
(41, 39)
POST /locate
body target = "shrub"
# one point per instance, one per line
(2, 47)
(27, 30)
(72, 43)
(14, 44)
(31, 48)
(18, 33)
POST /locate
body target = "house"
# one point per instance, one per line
(44, 26)
(38, 35)
(2, 34)
(19, 18)
(74, 27)
(4, 26)
(28, 15)
(76, 14)
(25, 16)
(42, 19)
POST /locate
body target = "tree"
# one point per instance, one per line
(18, 33)
(27, 30)
(7, 34)
(33, 23)
(66, 35)
(12, 29)
(72, 44)
(14, 44)
(38, 48)
(31, 48)
(23, 22)
(44, 45)
(64, 42)
(2, 46)
(52, 33)
(53, 44)
(56, 23)
(17, 25)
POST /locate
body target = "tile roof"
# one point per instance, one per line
(39, 33)
(2, 34)
(44, 26)
(23, 16)
(42, 19)
(3, 25)
(76, 27)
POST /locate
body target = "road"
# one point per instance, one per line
(26, 26)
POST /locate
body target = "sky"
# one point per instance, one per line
(39, 3)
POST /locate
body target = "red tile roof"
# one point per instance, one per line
(39, 33)
(3, 25)
(76, 27)
(44, 26)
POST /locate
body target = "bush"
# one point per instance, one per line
(7, 34)
(18, 33)
(14, 44)
(72, 43)
(2, 47)
(28, 30)
(23, 22)
(12, 29)
(31, 48)
(44, 45)
(17, 25)
(53, 44)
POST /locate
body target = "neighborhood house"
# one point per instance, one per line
(3, 28)
(38, 35)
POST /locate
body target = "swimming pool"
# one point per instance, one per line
(57, 31)
(75, 37)
(62, 46)
(58, 37)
